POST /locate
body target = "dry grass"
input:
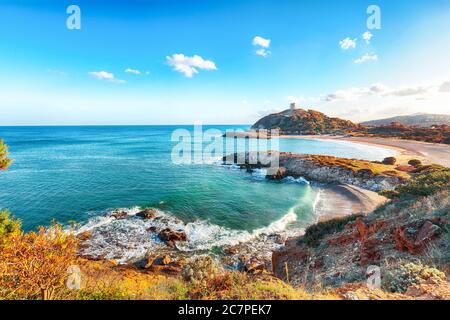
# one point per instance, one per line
(358, 165)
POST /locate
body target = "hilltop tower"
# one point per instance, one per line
(292, 108)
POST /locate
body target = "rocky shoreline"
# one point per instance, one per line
(255, 254)
(368, 175)
(359, 229)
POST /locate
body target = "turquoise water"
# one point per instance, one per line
(77, 173)
(64, 173)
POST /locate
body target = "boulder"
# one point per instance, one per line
(171, 237)
(279, 174)
(119, 214)
(231, 250)
(164, 264)
(86, 235)
(147, 214)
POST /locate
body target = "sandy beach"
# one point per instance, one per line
(343, 200)
(405, 149)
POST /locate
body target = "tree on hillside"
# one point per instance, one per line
(4, 161)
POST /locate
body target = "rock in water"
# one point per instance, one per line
(170, 236)
(279, 174)
(119, 214)
(147, 214)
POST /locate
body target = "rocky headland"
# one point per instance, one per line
(371, 175)
(300, 121)
(295, 121)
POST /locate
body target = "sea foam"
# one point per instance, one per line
(128, 239)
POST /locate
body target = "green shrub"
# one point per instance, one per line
(425, 184)
(428, 169)
(201, 270)
(316, 232)
(415, 162)
(4, 161)
(390, 161)
(8, 224)
(409, 274)
(101, 294)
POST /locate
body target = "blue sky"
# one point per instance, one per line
(52, 75)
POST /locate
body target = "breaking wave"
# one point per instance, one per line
(129, 239)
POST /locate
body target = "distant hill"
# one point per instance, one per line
(418, 119)
(299, 121)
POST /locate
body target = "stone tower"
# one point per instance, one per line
(292, 108)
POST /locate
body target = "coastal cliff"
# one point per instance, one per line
(339, 251)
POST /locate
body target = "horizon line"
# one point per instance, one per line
(118, 125)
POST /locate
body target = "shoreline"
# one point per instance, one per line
(405, 150)
(332, 201)
(338, 201)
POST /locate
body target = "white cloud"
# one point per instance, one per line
(263, 52)
(348, 43)
(134, 71)
(379, 90)
(104, 75)
(367, 36)
(408, 91)
(189, 65)
(367, 57)
(347, 94)
(264, 44)
(445, 87)
(260, 41)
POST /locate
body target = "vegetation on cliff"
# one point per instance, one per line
(433, 134)
(301, 121)
(4, 161)
(428, 180)
(34, 264)
(412, 228)
(370, 168)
